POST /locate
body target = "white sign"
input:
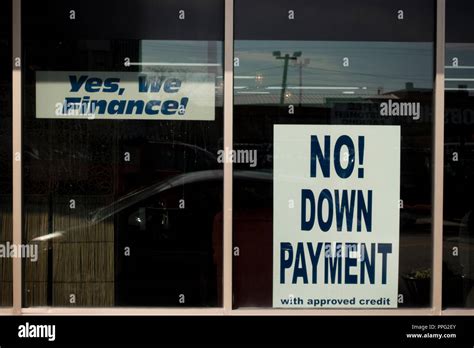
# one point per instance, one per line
(336, 216)
(125, 95)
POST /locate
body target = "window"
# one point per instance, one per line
(332, 195)
(122, 187)
(341, 72)
(458, 256)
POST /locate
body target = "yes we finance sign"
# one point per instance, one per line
(125, 95)
(336, 216)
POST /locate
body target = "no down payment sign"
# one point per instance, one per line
(336, 216)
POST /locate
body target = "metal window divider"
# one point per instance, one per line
(438, 159)
(16, 156)
(228, 145)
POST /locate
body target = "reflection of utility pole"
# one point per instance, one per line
(301, 63)
(286, 57)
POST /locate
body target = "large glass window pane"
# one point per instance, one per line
(5, 152)
(458, 267)
(122, 124)
(329, 65)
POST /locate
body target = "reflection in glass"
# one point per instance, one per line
(329, 82)
(126, 212)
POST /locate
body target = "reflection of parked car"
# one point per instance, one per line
(168, 232)
(173, 247)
